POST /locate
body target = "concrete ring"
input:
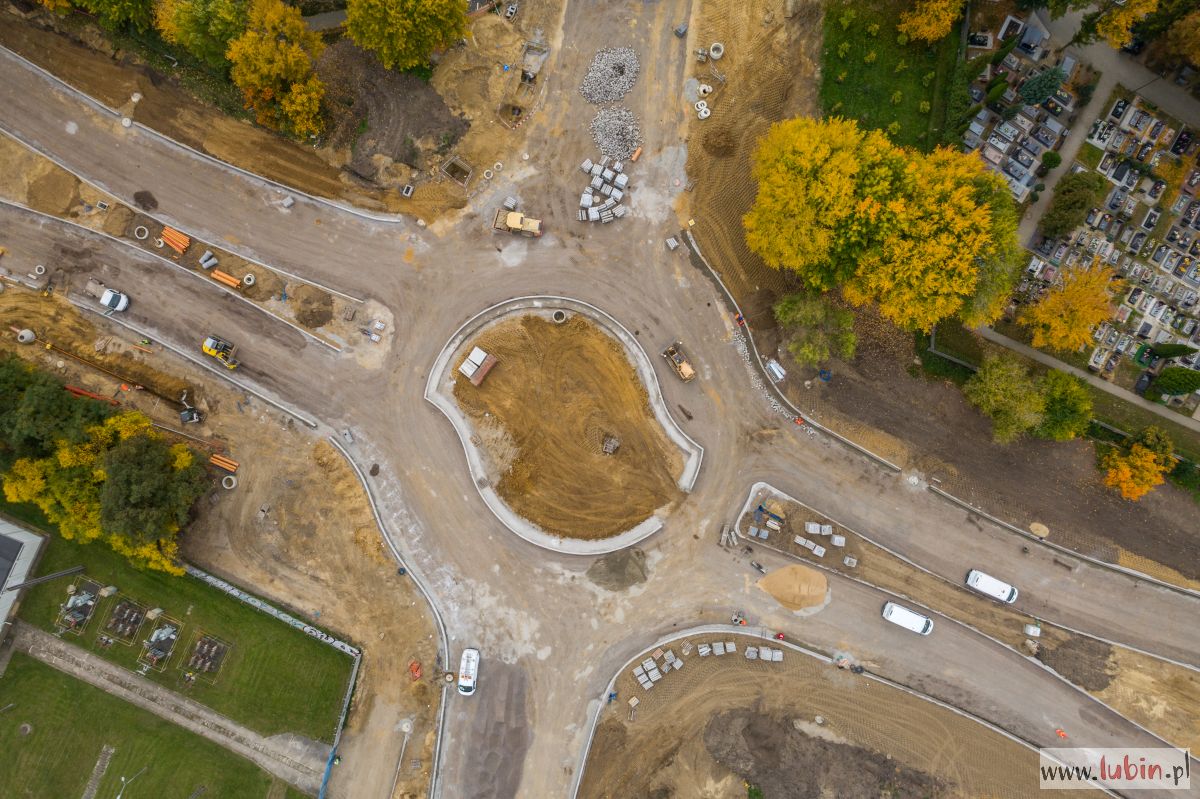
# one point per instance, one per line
(229, 482)
(487, 174)
(159, 243)
(249, 279)
(39, 270)
(499, 165)
(141, 233)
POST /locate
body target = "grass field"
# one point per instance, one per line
(853, 88)
(72, 721)
(274, 680)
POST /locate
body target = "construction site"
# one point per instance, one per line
(571, 441)
(796, 726)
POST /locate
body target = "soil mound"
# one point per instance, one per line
(796, 587)
(619, 570)
(783, 762)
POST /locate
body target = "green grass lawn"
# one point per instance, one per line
(72, 721)
(855, 89)
(274, 680)
(1089, 155)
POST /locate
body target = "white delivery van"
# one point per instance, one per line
(468, 671)
(991, 587)
(908, 619)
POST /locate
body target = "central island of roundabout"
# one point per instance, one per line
(562, 420)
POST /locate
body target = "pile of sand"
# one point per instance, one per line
(796, 587)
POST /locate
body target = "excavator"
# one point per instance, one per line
(222, 350)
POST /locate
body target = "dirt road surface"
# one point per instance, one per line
(299, 761)
(546, 631)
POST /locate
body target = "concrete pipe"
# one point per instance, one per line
(487, 174)
(229, 482)
(498, 166)
(249, 279)
(159, 243)
(141, 233)
(559, 316)
(39, 270)
(26, 336)
(704, 113)
(701, 105)
(716, 50)
(704, 90)
(126, 122)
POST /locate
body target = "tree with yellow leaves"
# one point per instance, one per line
(924, 237)
(1137, 468)
(402, 33)
(1113, 21)
(273, 63)
(1064, 318)
(930, 20)
(202, 27)
(1183, 38)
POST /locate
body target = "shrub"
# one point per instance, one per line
(901, 66)
(841, 77)
(897, 97)
(1051, 159)
(873, 29)
(870, 57)
(847, 18)
(927, 79)
(902, 40)
(894, 129)
(844, 49)
(925, 107)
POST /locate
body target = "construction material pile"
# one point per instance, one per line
(601, 200)
(611, 75)
(616, 132)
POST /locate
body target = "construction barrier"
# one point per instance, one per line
(176, 240)
(226, 278)
(222, 462)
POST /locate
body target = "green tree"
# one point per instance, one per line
(36, 412)
(402, 33)
(273, 64)
(1068, 409)
(1176, 380)
(816, 329)
(148, 489)
(1038, 89)
(1074, 196)
(919, 235)
(202, 27)
(1004, 390)
(1051, 159)
(1171, 350)
(1007, 48)
(115, 14)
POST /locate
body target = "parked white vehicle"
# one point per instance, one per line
(114, 300)
(908, 619)
(468, 671)
(991, 587)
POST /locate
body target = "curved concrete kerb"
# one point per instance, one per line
(439, 392)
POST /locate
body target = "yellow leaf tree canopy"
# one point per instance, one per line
(402, 33)
(924, 237)
(930, 20)
(121, 484)
(1115, 26)
(1063, 319)
(273, 66)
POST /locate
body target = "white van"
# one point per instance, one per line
(991, 587)
(468, 671)
(908, 619)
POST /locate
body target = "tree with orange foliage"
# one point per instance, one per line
(1063, 319)
(1137, 469)
(1183, 38)
(1113, 21)
(930, 20)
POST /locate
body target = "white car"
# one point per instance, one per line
(468, 671)
(114, 300)
(908, 619)
(991, 587)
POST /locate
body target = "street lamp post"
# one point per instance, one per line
(126, 783)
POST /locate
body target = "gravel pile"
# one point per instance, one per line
(611, 75)
(616, 132)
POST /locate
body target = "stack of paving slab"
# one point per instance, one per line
(650, 670)
(719, 648)
(764, 653)
(601, 199)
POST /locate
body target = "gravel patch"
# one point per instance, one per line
(616, 132)
(611, 75)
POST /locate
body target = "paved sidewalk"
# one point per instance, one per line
(1103, 385)
(297, 761)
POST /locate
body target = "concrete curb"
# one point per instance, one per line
(725, 629)
(440, 374)
(267, 182)
(768, 487)
(219, 286)
(766, 378)
(197, 362)
(883, 461)
(444, 643)
(1065, 550)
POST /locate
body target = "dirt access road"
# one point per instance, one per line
(551, 638)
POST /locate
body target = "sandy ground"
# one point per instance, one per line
(297, 529)
(796, 587)
(668, 747)
(770, 70)
(542, 415)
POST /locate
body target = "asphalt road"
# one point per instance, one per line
(550, 638)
